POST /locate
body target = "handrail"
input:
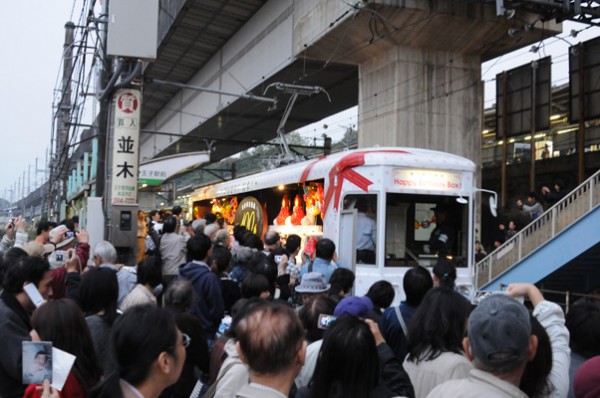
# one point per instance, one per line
(549, 224)
(569, 296)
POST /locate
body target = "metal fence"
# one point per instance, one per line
(560, 216)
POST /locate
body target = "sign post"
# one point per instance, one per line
(125, 147)
(124, 173)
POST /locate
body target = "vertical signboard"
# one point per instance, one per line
(584, 68)
(528, 99)
(126, 147)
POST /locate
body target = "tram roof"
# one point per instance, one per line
(319, 168)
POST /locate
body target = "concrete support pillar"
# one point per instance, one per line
(423, 98)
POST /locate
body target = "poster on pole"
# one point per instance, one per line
(125, 159)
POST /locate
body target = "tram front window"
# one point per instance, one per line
(421, 228)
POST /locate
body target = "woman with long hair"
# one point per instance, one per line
(150, 353)
(435, 337)
(444, 274)
(355, 362)
(547, 375)
(535, 381)
(62, 323)
(98, 295)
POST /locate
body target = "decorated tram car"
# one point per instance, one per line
(397, 187)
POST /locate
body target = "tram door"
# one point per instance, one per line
(347, 243)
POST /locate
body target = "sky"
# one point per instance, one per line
(33, 36)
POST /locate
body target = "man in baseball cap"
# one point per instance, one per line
(500, 344)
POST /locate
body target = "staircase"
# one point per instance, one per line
(563, 232)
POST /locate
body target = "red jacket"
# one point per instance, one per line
(71, 389)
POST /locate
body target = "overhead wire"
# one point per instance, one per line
(333, 58)
(77, 69)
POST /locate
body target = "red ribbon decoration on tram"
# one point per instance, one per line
(343, 170)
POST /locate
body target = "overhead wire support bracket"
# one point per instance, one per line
(287, 156)
(249, 96)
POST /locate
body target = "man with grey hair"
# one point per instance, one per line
(198, 226)
(271, 342)
(222, 238)
(211, 231)
(105, 256)
(499, 344)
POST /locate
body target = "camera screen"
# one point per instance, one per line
(325, 320)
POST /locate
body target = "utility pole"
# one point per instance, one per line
(40, 186)
(101, 123)
(28, 179)
(61, 154)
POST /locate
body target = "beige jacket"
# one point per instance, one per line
(426, 375)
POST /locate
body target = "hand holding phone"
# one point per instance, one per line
(10, 229)
(376, 332)
(34, 294)
(20, 223)
(325, 320)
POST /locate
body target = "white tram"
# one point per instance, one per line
(318, 198)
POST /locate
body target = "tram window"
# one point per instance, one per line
(419, 228)
(366, 226)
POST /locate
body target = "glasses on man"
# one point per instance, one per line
(186, 340)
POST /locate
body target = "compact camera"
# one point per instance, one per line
(60, 255)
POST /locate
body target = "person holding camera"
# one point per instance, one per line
(15, 235)
(64, 240)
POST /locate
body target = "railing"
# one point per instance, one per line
(563, 214)
(569, 297)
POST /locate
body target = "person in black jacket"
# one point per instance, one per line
(179, 299)
(551, 196)
(220, 263)
(15, 307)
(355, 362)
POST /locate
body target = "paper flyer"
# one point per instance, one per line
(62, 362)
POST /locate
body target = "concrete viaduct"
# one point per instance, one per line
(412, 66)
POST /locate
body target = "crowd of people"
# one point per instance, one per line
(526, 210)
(206, 314)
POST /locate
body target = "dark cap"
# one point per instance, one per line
(354, 305)
(499, 330)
